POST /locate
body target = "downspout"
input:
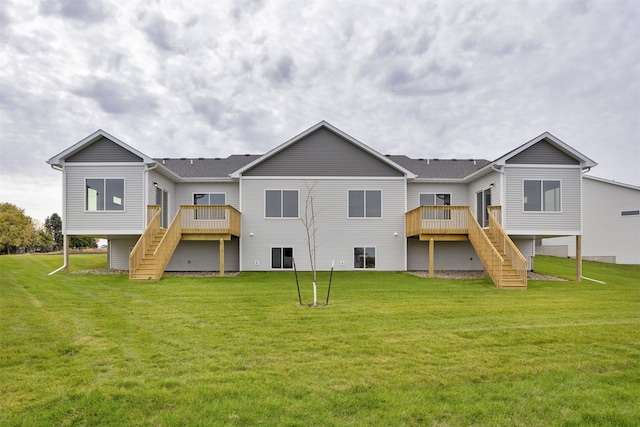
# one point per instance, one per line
(147, 168)
(503, 190)
(64, 219)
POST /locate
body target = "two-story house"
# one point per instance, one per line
(370, 211)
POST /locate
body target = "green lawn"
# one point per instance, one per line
(390, 349)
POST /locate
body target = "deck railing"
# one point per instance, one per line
(163, 253)
(437, 220)
(496, 212)
(506, 246)
(146, 239)
(210, 219)
(490, 257)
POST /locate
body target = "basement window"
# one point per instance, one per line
(630, 213)
(364, 258)
(282, 258)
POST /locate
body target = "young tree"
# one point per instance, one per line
(17, 230)
(309, 222)
(53, 224)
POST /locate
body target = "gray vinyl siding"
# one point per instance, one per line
(101, 151)
(204, 256)
(167, 185)
(323, 153)
(337, 234)
(129, 221)
(447, 256)
(565, 222)
(185, 192)
(484, 183)
(119, 252)
(459, 193)
(527, 248)
(542, 153)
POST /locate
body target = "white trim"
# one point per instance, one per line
(293, 251)
(365, 247)
(124, 197)
(346, 137)
(193, 194)
(121, 233)
(264, 204)
(542, 234)
(328, 178)
(365, 204)
(557, 143)
(106, 164)
(79, 146)
(533, 165)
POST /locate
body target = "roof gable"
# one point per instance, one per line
(545, 149)
(323, 151)
(99, 147)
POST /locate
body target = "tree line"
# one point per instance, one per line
(19, 233)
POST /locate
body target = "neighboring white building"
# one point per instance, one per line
(610, 224)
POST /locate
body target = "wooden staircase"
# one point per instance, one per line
(155, 247)
(510, 277)
(146, 269)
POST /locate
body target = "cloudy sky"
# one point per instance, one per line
(438, 79)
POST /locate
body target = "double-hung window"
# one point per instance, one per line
(541, 195)
(104, 194)
(435, 199)
(208, 199)
(364, 257)
(281, 203)
(365, 204)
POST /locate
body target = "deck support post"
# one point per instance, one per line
(431, 256)
(221, 257)
(578, 258)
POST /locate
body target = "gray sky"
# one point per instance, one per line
(437, 79)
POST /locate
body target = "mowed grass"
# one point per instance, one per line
(390, 349)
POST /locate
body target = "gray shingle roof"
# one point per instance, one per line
(207, 168)
(440, 168)
(222, 167)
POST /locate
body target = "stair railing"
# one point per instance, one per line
(511, 251)
(489, 255)
(163, 253)
(145, 240)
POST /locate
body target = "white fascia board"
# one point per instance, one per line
(58, 159)
(545, 233)
(324, 178)
(585, 162)
(362, 146)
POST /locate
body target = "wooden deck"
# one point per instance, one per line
(155, 247)
(500, 257)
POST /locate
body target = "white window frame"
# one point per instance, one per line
(124, 195)
(209, 193)
(542, 210)
(282, 190)
(365, 203)
(364, 264)
(282, 248)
